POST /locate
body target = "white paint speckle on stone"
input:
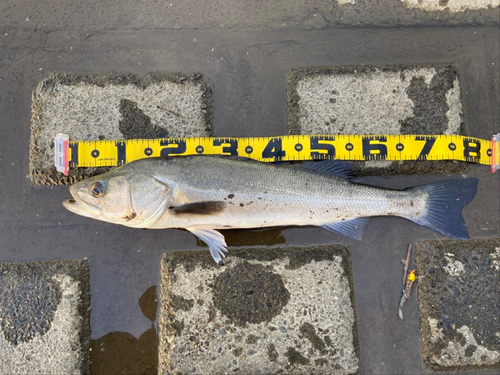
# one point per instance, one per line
(495, 258)
(453, 267)
(344, 2)
(59, 350)
(454, 6)
(454, 113)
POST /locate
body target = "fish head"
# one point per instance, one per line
(121, 196)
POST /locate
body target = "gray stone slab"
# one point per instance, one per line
(267, 310)
(451, 6)
(113, 106)
(44, 317)
(459, 303)
(394, 99)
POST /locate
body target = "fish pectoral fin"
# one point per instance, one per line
(351, 228)
(199, 208)
(215, 241)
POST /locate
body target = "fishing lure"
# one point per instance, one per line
(412, 277)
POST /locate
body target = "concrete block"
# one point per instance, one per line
(453, 6)
(44, 317)
(267, 310)
(112, 106)
(395, 99)
(458, 298)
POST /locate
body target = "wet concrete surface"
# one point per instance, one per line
(238, 14)
(247, 69)
(44, 317)
(268, 310)
(459, 303)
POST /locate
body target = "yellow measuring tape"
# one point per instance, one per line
(285, 148)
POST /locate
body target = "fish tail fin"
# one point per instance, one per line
(446, 200)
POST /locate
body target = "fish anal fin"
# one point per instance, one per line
(215, 241)
(336, 168)
(351, 228)
(199, 208)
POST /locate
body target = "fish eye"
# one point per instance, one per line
(97, 189)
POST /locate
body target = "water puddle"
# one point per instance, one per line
(122, 353)
(252, 237)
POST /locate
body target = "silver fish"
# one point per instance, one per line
(204, 193)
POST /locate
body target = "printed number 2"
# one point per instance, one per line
(274, 149)
(180, 149)
(329, 148)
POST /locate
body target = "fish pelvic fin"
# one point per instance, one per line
(351, 228)
(446, 200)
(215, 241)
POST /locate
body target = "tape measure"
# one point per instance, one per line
(281, 148)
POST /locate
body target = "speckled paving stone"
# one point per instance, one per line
(112, 106)
(459, 303)
(44, 317)
(394, 99)
(453, 6)
(273, 310)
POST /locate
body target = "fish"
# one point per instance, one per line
(204, 194)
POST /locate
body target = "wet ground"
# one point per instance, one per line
(246, 67)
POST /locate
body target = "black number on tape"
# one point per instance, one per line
(148, 151)
(121, 148)
(316, 145)
(274, 149)
(429, 142)
(472, 149)
(179, 147)
(373, 149)
(74, 154)
(231, 148)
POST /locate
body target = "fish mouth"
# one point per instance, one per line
(79, 207)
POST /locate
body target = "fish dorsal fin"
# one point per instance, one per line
(199, 208)
(215, 241)
(336, 168)
(351, 228)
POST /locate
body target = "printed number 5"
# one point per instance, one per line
(329, 148)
